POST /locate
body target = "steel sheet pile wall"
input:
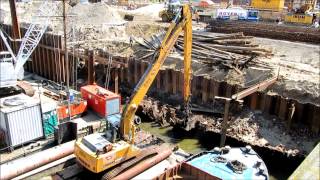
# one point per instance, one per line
(204, 90)
(47, 58)
(48, 61)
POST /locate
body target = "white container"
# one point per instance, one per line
(47, 104)
(232, 12)
(21, 119)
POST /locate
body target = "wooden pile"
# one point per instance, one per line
(268, 30)
(230, 50)
(235, 51)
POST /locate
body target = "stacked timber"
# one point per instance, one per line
(268, 30)
(232, 51)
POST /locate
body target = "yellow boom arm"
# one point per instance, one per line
(182, 23)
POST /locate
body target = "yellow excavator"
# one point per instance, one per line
(101, 151)
(302, 13)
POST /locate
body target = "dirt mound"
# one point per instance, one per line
(96, 14)
(149, 11)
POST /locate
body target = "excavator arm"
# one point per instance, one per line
(182, 22)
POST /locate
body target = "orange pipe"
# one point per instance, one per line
(134, 171)
(20, 166)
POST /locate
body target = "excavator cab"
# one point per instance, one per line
(171, 9)
(113, 128)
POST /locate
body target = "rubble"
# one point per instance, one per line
(251, 127)
(232, 51)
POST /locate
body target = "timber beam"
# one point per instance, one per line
(258, 87)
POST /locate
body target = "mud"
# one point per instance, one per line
(250, 127)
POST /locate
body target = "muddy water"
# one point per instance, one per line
(187, 142)
(279, 167)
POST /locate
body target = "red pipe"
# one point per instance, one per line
(20, 166)
(134, 171)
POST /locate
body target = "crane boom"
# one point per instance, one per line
(34, 33)
(183, 22)
(7, 45)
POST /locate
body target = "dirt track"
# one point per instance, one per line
(268, 30)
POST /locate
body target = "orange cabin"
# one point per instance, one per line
(76, 108)
(100, 100)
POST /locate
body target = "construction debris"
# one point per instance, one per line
(231, 51)
(249, 127)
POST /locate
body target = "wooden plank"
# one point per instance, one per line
(277, 105)
(91, 75)
(267, 104)
(136, 72)
(194, 89)
(261, 103)
(62, 61)
(283, 108)
(299, 112)
(216, 88)
(43, 62)
(253, 101)
(48, 60)
(73, 67)
(57, 58)
(225, 122)
(162, 79)
(158, 81)
(229, 90)
(174, 81)
(142, 69)
(258, 87)
(210, 90)
(131, 72)
(290, 115)
(167, 81)
(121, 77)
(39, 67)
(51, 57)
(315, 127)
(116, 80)
(222, 89)
(204, 89)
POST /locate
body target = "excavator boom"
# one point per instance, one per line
(183, 22)
(98, 152)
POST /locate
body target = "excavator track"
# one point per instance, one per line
(122, 167)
